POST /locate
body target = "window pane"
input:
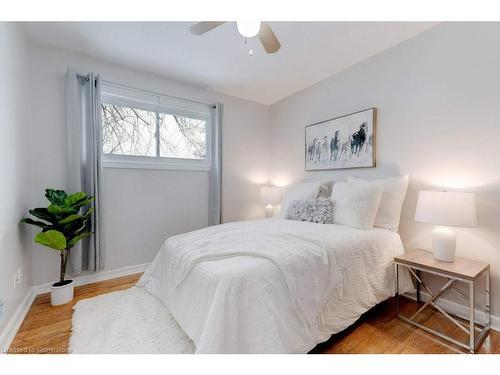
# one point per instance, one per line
(182, 137)
(128, 131)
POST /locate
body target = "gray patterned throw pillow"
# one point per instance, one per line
(325, 190)
(319, 210)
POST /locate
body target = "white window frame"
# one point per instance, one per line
(143, 100)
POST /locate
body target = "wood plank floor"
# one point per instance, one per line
(47, 329)
(379, 331)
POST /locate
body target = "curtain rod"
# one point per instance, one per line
(211, 105)
(86, 77)
(81, 76)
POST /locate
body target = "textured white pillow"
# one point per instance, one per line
(355, 205)
(300, 191)
(393, 196)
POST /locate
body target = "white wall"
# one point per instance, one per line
(14, 168)
(438, 96)
(143, 207)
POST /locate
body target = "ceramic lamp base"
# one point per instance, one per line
(444, 243)
(269, 210)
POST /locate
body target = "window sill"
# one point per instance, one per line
(176, 166)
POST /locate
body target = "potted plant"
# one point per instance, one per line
(63, 226)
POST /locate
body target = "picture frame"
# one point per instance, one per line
(343, 142)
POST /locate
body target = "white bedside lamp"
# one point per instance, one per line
(447, 209)
(270, 196)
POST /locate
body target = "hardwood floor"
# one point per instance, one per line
(47, 329)
(379, 332)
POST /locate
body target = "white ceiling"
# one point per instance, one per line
(219, 60)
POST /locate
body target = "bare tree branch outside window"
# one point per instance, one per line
(130, 131)
(182, 137)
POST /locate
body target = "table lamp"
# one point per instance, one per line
(447, 209)
(270, 196)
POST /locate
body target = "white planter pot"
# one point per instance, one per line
(59, 295)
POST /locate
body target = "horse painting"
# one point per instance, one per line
(342, 142)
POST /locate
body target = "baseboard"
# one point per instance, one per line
(95, 277)
(17, 319)
(462, 311)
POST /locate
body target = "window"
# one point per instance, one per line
(153, 131)
(128, 131)
(182, 137)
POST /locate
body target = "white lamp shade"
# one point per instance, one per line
(446, 208)
(270, 195)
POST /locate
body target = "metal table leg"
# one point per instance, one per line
(486, 328)
(487, 299)
(397, 290)
(418, 286)
(472, 333)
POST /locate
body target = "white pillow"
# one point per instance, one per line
(393, 196)
(355, 205)
(300, 191)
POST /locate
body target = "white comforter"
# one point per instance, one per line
(273, 285)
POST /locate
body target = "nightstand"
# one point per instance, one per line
(461, 270)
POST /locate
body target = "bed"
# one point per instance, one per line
(272, 285)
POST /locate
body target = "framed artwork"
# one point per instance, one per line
(343, 142)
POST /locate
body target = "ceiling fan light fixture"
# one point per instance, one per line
(248, 29)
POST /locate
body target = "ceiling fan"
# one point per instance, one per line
(247, 29)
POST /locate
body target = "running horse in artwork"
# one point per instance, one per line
(334, 146)
(314, 151)
(358, 139)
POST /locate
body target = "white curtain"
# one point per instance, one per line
(215, 193)
(83, 150)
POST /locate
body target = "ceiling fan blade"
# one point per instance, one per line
(269, 41)
(203, 27)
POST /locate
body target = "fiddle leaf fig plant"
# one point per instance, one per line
(63, 223)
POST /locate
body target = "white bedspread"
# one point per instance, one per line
(273, 285)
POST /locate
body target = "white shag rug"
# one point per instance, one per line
(129, 321)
